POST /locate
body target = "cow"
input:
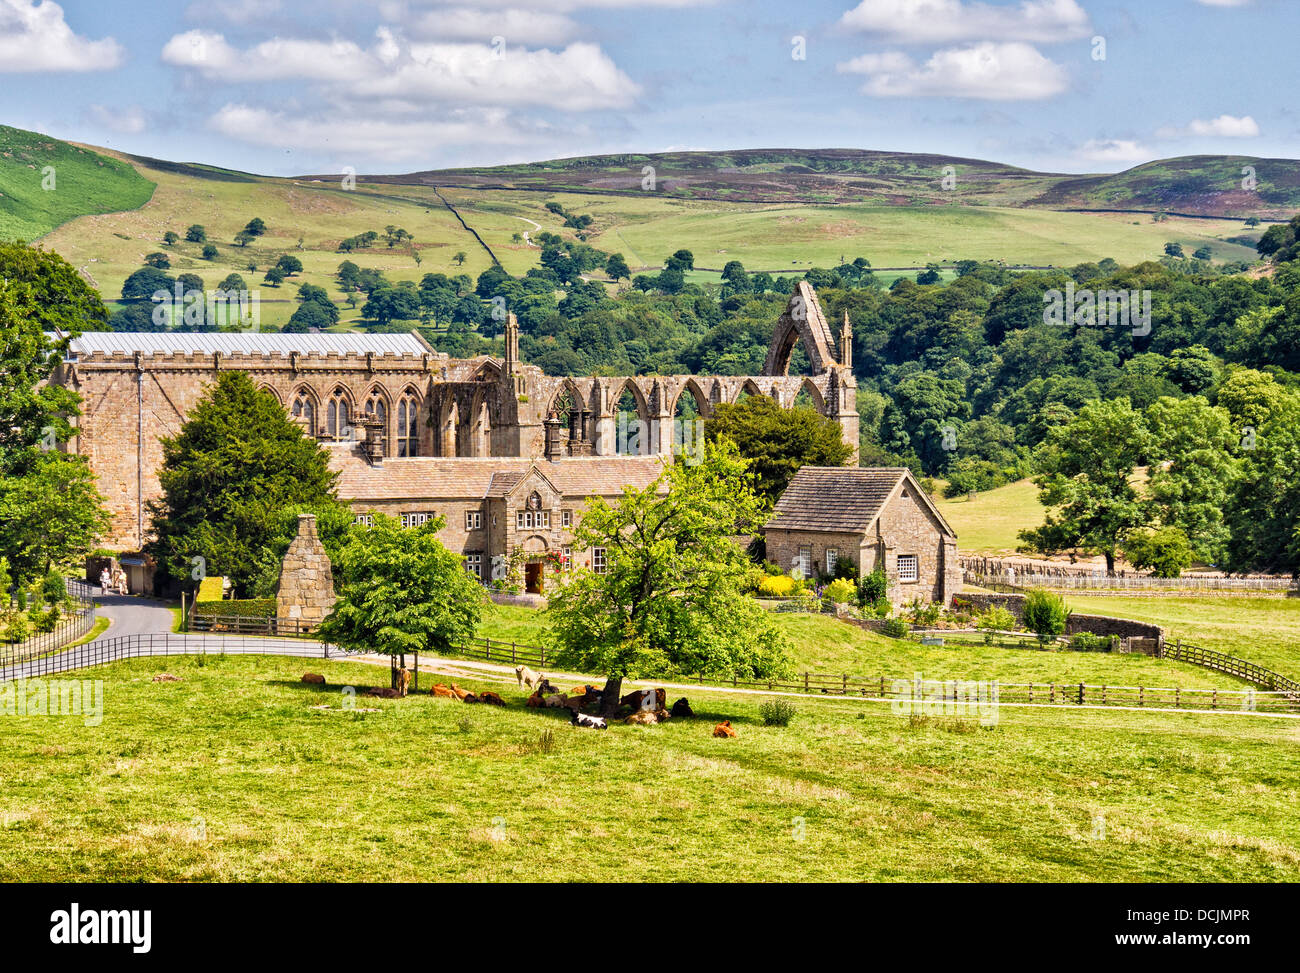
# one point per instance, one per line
(724, 729)
(545, 687)
(647, 717)
(403, 680)
(584, 690)
(383, 692)
(534, 701)
(651, 699)
(458, 692)
(314, 678)
(590, 722)
(555, 702)
(682, 708)
(440, 690)
(488, 697)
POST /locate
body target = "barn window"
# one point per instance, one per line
(908, 568)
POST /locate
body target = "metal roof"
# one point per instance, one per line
(244, 342)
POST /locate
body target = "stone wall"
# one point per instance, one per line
(306, 592)
(1125, 628)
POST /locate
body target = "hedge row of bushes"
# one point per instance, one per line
(237, 607)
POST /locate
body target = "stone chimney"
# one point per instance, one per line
(306, 592)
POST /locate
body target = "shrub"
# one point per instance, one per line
(997, 619)
(54, 590)
(1045, 614)
(874, 587)
(845, 568)
(1166, 552)
(210, 589)
(238, 607)
(777, 712)
(923, 614)
(1087, 642)
(841, 591)
(896, 628)
(777, 586)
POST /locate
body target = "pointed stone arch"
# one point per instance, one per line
(702, 401)
(814, 393)
(802, 321)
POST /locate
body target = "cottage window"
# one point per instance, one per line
(473, 519)
(474, 564)
(530, 519)
(367, 520)
(598, 562)
(908, 567)
(803, 563)
(566, 518)
(832, 555)
(415, 518)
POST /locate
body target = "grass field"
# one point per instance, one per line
(827, 646)
(989, 523)
(232, 774)
(1264, 630)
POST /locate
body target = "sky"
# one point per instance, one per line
(284, 87)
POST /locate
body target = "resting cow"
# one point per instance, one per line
(440, 690)
(724, 729)
(590, 722)
(315, 678)
(682, 708)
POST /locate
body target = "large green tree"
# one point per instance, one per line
(401, 590)
(236, 463)
(777, 441)
(1263, 511)
(669, 601)
(51, 515)
(1086, 482)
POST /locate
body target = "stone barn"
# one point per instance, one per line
(875, 517)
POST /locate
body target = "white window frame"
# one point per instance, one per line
(832, 555)
(366, 519)
(414, 518)
(913, 569)
(532, 519)
(474, 564)
(804, 560)
(566, 518)
(568, 558)
(599, 564)
(473, 520)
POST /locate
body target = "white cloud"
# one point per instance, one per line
(517, 26)
(127, 120)
(1223, 3)
(34, 37)
(233, 11)
(1225, 126)
(580, 77)
(371, 136)
(950, 21)
(1114, 150)
(997, 72)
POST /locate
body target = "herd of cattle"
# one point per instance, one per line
(648, 706)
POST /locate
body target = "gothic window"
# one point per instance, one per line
(375, 406)
(302, 407)
(408, 430)
(338, 422)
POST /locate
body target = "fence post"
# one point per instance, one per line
(805, 682)
(1051, 698)
(1081, 691)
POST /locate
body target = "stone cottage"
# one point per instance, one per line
(875, 517)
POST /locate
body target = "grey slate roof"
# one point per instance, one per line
(844, 499)
(244, 342)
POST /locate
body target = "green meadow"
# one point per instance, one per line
(241, 773)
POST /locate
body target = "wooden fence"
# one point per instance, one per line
(1233, 666)
(249, 625)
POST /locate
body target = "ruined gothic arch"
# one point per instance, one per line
(814, 393)
(478, 428)
(448, 419)
(802, 321)
(702, 401)
(408, 413)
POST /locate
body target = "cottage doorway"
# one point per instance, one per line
(534, 577)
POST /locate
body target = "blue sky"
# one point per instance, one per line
(288, 87)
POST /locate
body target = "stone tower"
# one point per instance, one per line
(306, 592)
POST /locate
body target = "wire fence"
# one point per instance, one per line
(74, 625)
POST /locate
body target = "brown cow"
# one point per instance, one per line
(458, 692)
(440, 690)
(647, 717)
(403, 681)
(489, 697)
(651, 699)
(534, 701)
(315, 678)
(724, 729)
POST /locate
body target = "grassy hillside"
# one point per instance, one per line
(239, 772)
(1197, 185)
(34, 200)
(989, 523)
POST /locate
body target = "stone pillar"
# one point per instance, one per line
(306, 592)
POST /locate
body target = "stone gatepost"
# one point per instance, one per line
(306, 592)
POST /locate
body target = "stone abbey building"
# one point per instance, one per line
(506, 454)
